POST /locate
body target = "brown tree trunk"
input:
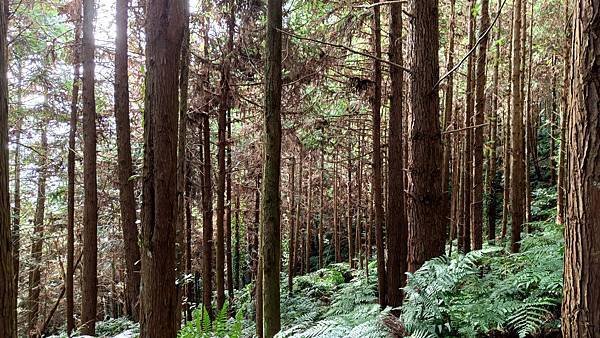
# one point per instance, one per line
(447, 123)
(292, 226)
(467, 184)
(349, 231)
(33, 298)
(309, 219)
(507, 142)
(493, 140)
(207, 200)
(126, 193)
(71, 181)
(517, 193)
(89, 291)
(425, 204)
(377, 162)
(336, 226)
(237, 253)
(562, 156)
(164, 33)
(397, 229)
(270, 207)
(580, 309)
(8, 290)
(480, 97)
(257, 261)
(298, 223)
(321, 189)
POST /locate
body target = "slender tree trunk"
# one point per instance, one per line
(89, 291)
(507, 142)
(562, 156)
(447, 122)
(71, 181)
(126, 184)
(207, 200)
(257, 261)
(164, 33)
(336, 226)
(298, 223)
(580, 309)
(237, 253)
(467, 184)
(517, 196)
(33, 298)
(321, 189)
(291, 227)
(349, 205)
(309, 218)
(8, 289)
(425, 204)
(270, 208)
(480, 97)
(377, 162)
(397, 228)
(493, 140)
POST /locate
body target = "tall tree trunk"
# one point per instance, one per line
(270, 208)
(207, 200)
(89, 291)
(257, 261)
(349, 203)
(321, 189)
(8, 290)
(309, 218)
(71, 180)
(164, 33)
(33, 298)
(467, 184)
(447, 123)
(580, 309)
(377, 162)
(507, 142)
(292, 226)
(493, 139)
(126, 184)
(298, 223)
(237, 253)
(336, 227)
(562, 156)
(480, 97)
(517, 193)
(397, 229)
(425, 205)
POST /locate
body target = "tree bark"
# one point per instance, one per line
(397, 229)
(33, 298)
(71, 180)
(377, 162)
(89, 291)
(270, 207)
(480, 105)
(164, 33)
(8, 291)
(580, 309)
(292, 227)
(126, 184)
(450, 194)
(517, 193)
(425, 203)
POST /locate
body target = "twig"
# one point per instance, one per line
(465, 128)
(458, 65)
(348, 49)
(382, 3)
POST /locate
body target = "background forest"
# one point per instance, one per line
(391, 221)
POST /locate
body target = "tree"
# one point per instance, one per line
(397, 229)
(580, 309)
(71, 178)
(90, 185)
(377, 162)
(164, 34)
(8, 310)
(480, 105)
(426, 233)
(126, 193)
(34, 290)
(270, 208)
(517, 192)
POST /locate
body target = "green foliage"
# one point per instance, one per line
(222, 326)
(114, 326)
(486, 290)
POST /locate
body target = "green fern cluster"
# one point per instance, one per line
(488, 290)
(201, 326)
